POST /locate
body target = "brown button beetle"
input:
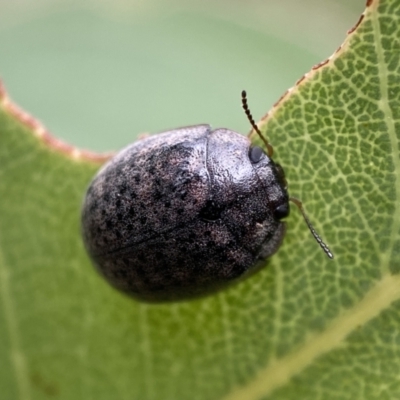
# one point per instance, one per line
(186, 212)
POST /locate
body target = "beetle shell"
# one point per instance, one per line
(184, 213)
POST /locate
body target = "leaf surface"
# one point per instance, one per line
(304, 327)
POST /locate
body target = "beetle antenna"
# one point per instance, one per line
(324, 247)
(270, 149)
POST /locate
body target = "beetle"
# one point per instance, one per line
(187, 212)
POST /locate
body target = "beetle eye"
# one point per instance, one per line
(256, 153)
(282, 211)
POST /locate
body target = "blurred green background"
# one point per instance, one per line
(98, 73)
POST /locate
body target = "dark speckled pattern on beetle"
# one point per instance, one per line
(184, 213)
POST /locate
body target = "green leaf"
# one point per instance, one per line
(304, 327)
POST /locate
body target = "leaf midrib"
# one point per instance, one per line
(384, 105)
(16, 355)
(279, 372)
